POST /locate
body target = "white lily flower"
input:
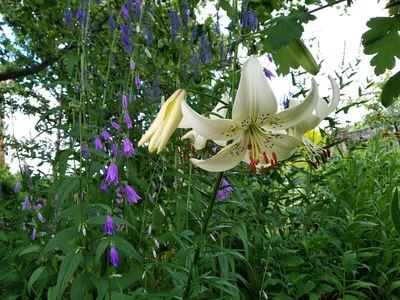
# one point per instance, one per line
(255, 108)
(322, 110)
(218, 112)
(164, 125)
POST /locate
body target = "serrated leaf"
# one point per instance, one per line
(383, 40)
(35, 275)
(68, 266)
(390, 90)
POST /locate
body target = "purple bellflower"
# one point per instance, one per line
(79, 14)
(26, 205)
(114, 150)
(124, 102)
(128, 121)
(111, 23)
(112, 174)
(175, 24)
(104, 187)
(138, 6)
(128, 148)
(131, 194)
(123, 29)
(137, 81)
(114, 257)
(115, 125)
(106, 136)
(67, 16)
(16, 187)
(268, 74)
(124, 13)
(85, 153)
(34, 234)
(132, 65)
(270, 58)
(97, 143)
(41, 218)
(109, 226)
(154, 186)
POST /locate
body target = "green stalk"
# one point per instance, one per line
(207, 217)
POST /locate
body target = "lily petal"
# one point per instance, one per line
(322, 109)
(214, 129)
(310, 123)
(199, 141)
(255, 102)
(283, 145)
(229, 157)
(294, 115)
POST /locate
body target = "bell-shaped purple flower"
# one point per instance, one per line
(97, 143)
(115, 125)
(114, 150)
(85, 153)
(138, 5)
(112, 174)
(149, 230)
(125, 40)
(268, 73)
(106, 136)
(114, 257)
(41, 218)
(26, 205)
(124, 13)
(270, 58)
(104, 187)
(154, 186)
(16, 187)
(157, 243)
(123, 29)
(223, 193)
(67, 16)
(128, 121)
(131, 194)
(79, 14)
(109, 226)
(34, 234)
(132, 65)
(137, 81)
(128, 148)
(125, 102)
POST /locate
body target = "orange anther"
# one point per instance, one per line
(253, 167)
(274, 157)
(262, 170)
(272, 164)
(265, 157)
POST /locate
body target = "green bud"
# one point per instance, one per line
(300, 53)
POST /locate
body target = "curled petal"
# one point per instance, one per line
(294, 115)
(199, 141)
(322, 109)
(227, 158)
(282, 145)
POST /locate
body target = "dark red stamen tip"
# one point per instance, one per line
(313, 164)
(265, 157)
(274, 157)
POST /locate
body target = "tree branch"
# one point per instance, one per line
(16, 73)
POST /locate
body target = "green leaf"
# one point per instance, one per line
(395, 211)
(350, 297)
(361, 284)
(78, 287)
(30, 249)
(305, 288)
(285, 29)
(35, 275)
(394, 285)
(3, 236)
(52, 293)
(71, 62)
(390, 90)
(67, 187)
(68, 266)
(100, 250)
(127, 248)
(292, 261)
(284, 61)
(61, 238)
(383, 40)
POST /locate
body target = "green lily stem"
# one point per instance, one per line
(207, 217)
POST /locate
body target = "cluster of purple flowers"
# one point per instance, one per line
(205, 49)
(67, 15)
(249, 20)
(185, 12)
(223, 193)
(175, 24)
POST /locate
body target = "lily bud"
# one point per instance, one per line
(166, 122)
(300, 53)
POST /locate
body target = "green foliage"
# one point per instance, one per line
(383, 40)
(391, 90)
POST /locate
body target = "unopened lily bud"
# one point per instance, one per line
(300, 53)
